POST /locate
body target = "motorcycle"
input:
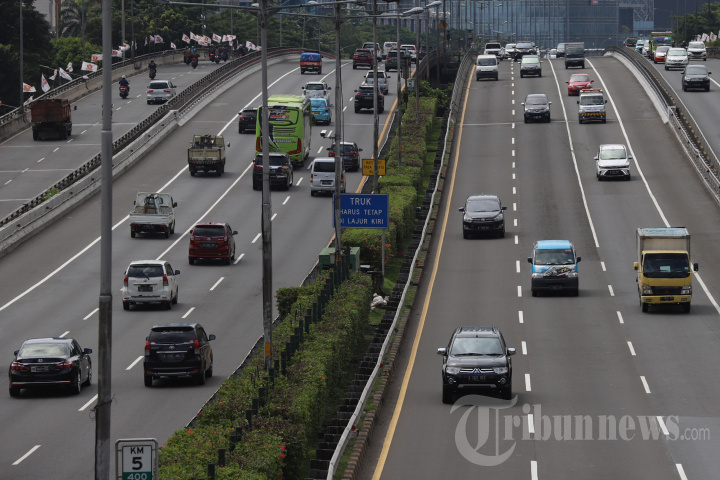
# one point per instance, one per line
(224, 56)
(212, 57)
(124, 91)
(152, 73)
(187, 60)
(217, 58)
(194, 62)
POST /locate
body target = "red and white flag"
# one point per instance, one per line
(207, 39)
(54, 75)
(65, 75)
(172, 45)
(90, 67)
(44, 83)
(216, 38)
(158, 39)
(69, 67)
(185, 38)
(193, 37)
(28, 88)
(202, 42)
(117, 53)
(96, 57)
(250, 46)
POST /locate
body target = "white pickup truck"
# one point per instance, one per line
(382, 80)
(153, 213)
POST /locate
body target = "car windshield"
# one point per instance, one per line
(318, 102)
(662, 49)
(209, 231)
(530, 60)
(158, 85)
(487, 62)
(314, 86)
(324, 166)
(476, 346)
(171, 335)
(524, 45)
(591, 100)
(560, 256)
(696, 45)
(536, 100)
(680, 52)
(145, 271)
(666, 265)
(345, 148)
(44, 350)
(580, 78)
(249, 113)
(695, 70)
(483, 205)
(613, 154)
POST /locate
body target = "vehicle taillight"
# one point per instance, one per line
(125, 281)
(165, 280)
(18, 366)
(166, 91)
(258, 145)
(223, 241)
(327, 109)
(150, 91)
(197, 347)
(64, 365)
(257, 166)
(298, 149)
(242, 118)
(147, 349)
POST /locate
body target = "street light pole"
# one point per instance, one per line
(338, 135)
(399, 92)
(376, 152)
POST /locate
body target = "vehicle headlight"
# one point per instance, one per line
(500, 370)
(498, 217)
(452, 370)
(686, 290)
(645, 289)
(537, 275)
(572, 274)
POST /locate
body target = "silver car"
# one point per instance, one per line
(160, 91)
(612, 161)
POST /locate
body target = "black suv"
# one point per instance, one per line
(247, 120)
(364, 98)
(483, 214)
(696, 76)
(281, 171)
(524, 48)
(476, 358)
(350, 154)
(537, 107)
(178, 350)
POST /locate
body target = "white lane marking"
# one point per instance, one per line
(513, 152)
(118, 109)
(647, 186)
(513, 101)
(514, 191)
(645, 384)
(630, 346)
(602, 265)
(344, 108)
(574, 158)
(663, 427)
(63, 335)
(515, 222)
(25, 170)
(513, 112)
(90, 402)
(513, 176)
(217, 283)
(90, 314)
(83, 132)
(319, 150)
(681, 471)
(519, 290)
(187, 314)
(135, 362)
(620, 316)
(516, 239)
(41, 160)
(612, 294)
(527, 382)
(531, 423)
(329, 134)
(239, 257)
(58, 148)
(351, 99)
(514, 207)
(16, 462)
(520, 316)
(286, 199)
(8, 181)
(524, 347)
(298, 182)
(513, 124)
(273, 217)
(533, 470)
(517, 266)
(257, 237)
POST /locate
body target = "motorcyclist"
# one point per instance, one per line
(124, 83)
(152, 65)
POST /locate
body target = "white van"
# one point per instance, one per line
(486, 67)
(387, 46)
(322, 176)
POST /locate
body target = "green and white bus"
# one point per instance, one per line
(290, 123)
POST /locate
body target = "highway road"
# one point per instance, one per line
(603, 391)
(54, 287)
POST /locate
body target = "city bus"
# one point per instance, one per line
(659, 38)
(290, 119)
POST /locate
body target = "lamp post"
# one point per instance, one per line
(417, 11)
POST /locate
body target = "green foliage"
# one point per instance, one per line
(370, 242)
(70, 49)
(402, 211)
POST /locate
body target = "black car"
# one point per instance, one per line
(530, 65)
(524, 48)
(350, 155)
(483, 214)
(537, 107)
(696, 76)
(560, 51)
(364, 98)
(281, 171)
(43, 362)
(247, 119)
(476, 359)
(178, 350)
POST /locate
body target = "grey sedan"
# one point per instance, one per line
(160, 91)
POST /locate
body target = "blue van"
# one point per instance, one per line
(321, 110)
(554, 267)
(311, 62)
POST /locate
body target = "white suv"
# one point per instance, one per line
(150, 281)
(697, 51)
(382, 80)
(612, 161)
(412, 51)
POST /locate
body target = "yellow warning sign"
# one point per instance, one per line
(369, 166)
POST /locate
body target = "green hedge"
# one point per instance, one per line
(370, 242)
(402, 211)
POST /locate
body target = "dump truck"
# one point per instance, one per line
(207, 154)
(664, 270)
(51, 117)
(153, 213)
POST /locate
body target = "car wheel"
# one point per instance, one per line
(77, 386)
(191, 260)
(192, 172)
(354, 67)
(312, 193)
(576, 292)
(506, 393)
(227, 260)
(381, 109)
(220, 170)
(132, 233)
(357, 110)
(126, 305)
(167, 232)
(604, 120)
(644, 307)
(684, 88)
(521, 75)
(209, 372)
(466, 234)
(666, 68)
(502, 233)
(256, 186)
(168, 304)
(201, 377)
(14, 392)
(148, 380)
(686, 307)
(534, 293)
(175, 299)
(526, 120)
(707, 89)
(172, 228)
(447, 395)
(240, 130)
(88, 380)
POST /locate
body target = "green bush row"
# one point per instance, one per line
(282, 439)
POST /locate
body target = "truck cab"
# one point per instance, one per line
(206, 154)
(591, 105)
(574, 55)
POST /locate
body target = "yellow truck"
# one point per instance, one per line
(664, 274)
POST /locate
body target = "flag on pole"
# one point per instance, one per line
(96, 57)
(185, 38)
(90, 67)
(28, 88)
(193, 37)
(54, 75)
(250, 46)
(117, 53)
(202, 42)
(713, 37)
(65, 75)
(216, 38)
(159, 39)
(69, 67)
(44, 83)
(172, 45)
(207, 39)
(29, 100)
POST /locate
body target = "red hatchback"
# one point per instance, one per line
(212, 240)
(578, 82)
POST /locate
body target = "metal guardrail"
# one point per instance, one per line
(463, 76)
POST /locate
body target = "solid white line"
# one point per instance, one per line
(630, 346)
(524, 347)
(663, 427)
(135, 362)
(298, 182)
(681, 471)
(217, 283)
(645, 384)
(519, 290)
(187, 314)
(520, 316)
(286, 199)
(533, 470)
(90, 402)
(531, 423)
(620, 316)
(517, 266)
(239, 257)
(602, 265)
(26, 455)
(90, 314)
(63, 335)
(612, 294)
(257, 237)
(273, 217)
(527, 382)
